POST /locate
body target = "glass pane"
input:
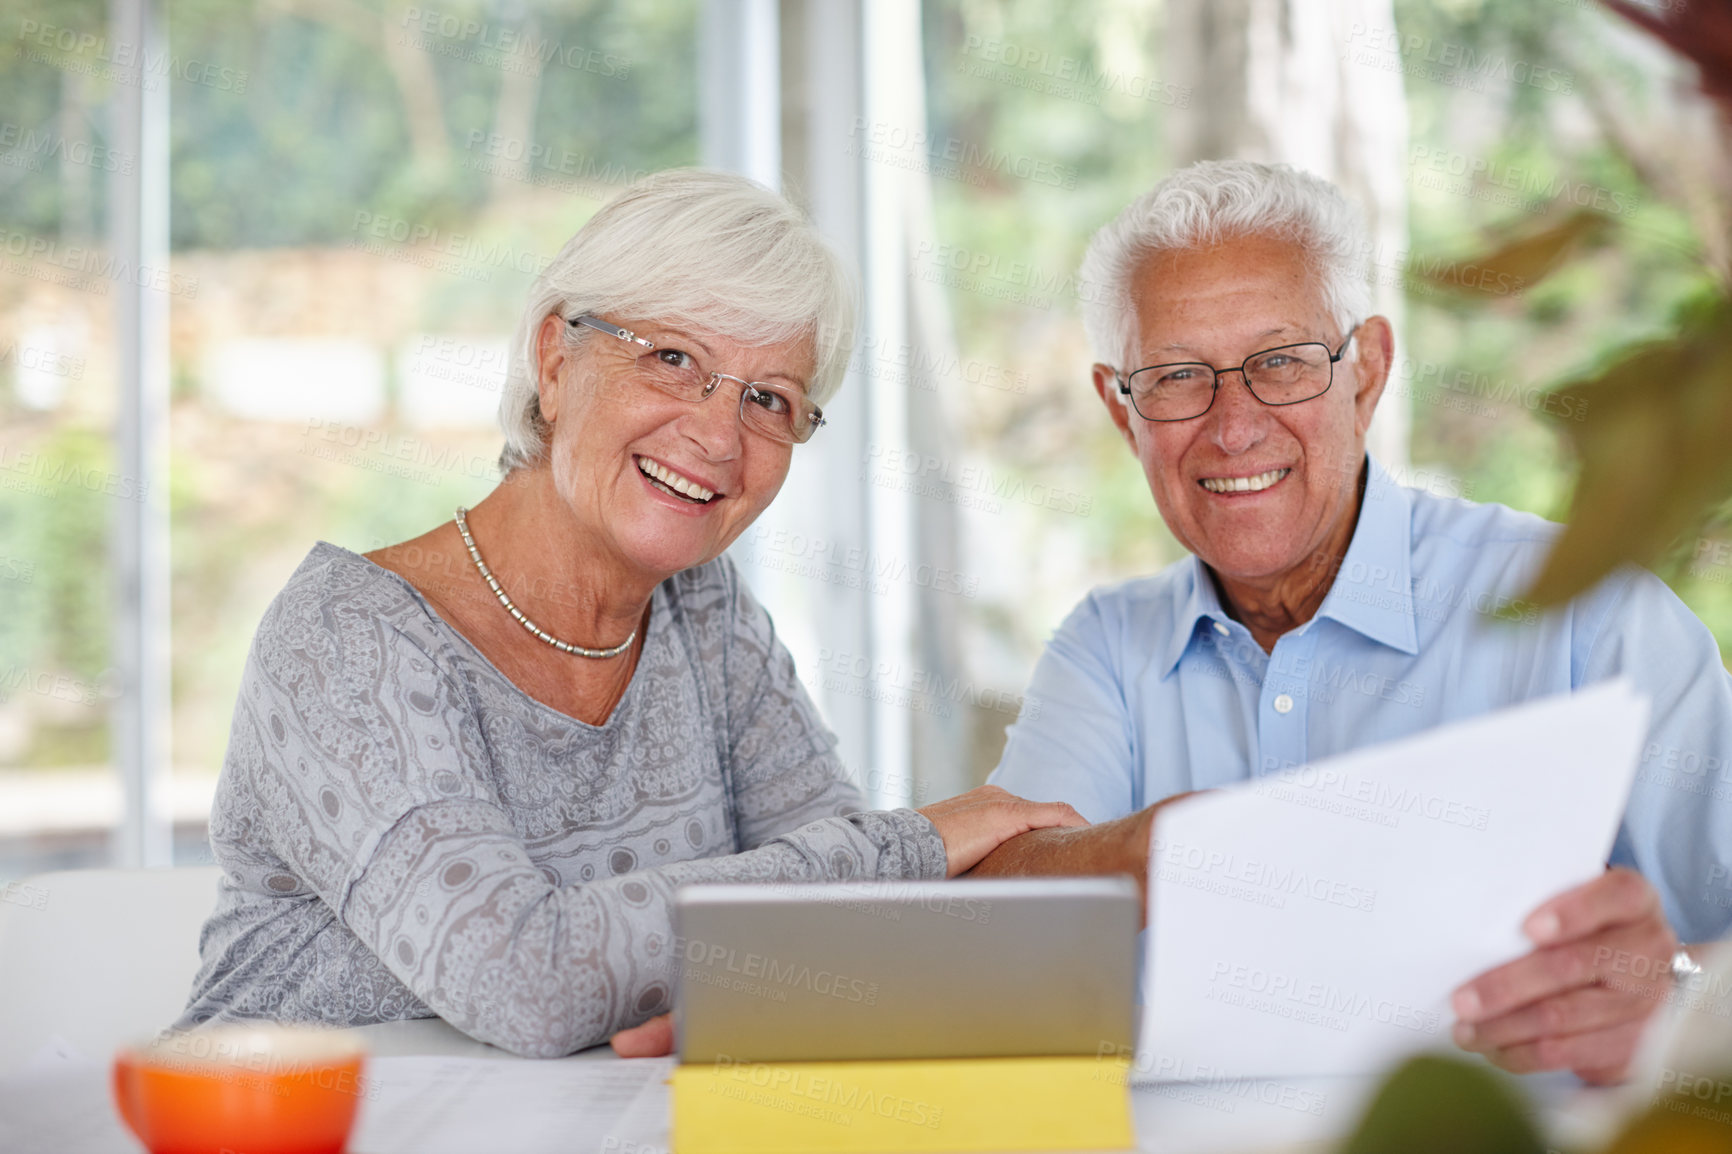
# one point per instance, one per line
(58, 485)
(363, 208)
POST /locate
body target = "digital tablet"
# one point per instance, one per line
(941, 969)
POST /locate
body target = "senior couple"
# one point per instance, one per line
(469, 789)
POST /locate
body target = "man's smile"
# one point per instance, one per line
(1255, 483)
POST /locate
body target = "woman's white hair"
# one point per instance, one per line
(1208, 202)
(687, 247)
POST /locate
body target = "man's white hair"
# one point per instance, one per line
(1211, 201)
(693, 248)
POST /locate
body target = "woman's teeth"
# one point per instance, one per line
(1244, 484)
(667, 479)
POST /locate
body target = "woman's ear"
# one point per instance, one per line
(551, 355)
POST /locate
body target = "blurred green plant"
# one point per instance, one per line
(1650, 431)
(1437, 1105)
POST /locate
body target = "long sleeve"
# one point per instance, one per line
(361, 779)
(1677, 828)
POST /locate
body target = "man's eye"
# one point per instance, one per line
(1178, 376)
(675, 359)
(1278, 361)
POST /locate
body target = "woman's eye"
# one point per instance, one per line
(676, 359)
(770, 400)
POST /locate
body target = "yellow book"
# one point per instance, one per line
(953, 1104)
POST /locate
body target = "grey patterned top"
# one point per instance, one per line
(404, 833)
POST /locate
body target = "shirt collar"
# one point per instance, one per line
(1373, 590)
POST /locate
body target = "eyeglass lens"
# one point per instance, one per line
(767, 408)
(1281, 376)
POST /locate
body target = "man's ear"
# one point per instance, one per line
(551, 355)
(1118, 405)
(1374, 353)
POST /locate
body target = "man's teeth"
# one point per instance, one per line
(1244, 484)
(673, 480)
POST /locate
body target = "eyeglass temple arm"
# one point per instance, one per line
(611, 330)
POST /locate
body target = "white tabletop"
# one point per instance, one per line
(433, 1090)
(1225, 1117)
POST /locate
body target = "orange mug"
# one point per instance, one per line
(242, 1089)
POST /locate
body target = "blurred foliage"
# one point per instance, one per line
(1434, 1105)
(1616, 152)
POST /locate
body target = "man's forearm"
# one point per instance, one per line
(1112, 847)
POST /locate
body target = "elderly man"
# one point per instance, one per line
(1328, 608)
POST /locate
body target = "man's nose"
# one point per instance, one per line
(1241, 420)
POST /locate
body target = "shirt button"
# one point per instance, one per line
(1283, 703)
(1221, 629)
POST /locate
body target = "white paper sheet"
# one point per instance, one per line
(1315, 922)
(439, 1105)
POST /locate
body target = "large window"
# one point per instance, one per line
(358, 195)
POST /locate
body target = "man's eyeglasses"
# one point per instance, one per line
(1280, 376)
(779, 412)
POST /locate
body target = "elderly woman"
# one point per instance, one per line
(466, 774)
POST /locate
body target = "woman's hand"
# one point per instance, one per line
(975, 823)
(651, 1040)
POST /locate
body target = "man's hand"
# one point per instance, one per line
(975, 823)
(1601, 965)
(651, 1040)
(1112, 847)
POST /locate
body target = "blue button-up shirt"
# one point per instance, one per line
(1150, 688)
